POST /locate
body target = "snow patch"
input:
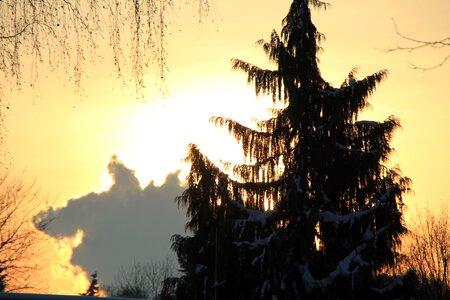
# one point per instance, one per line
(342, 269)
(330, 217)
(260, 257)
(257, 243)
(253, 215)
(366, 124)
(264, 287)
(398, 281)
(336, 219)
(297, 180)
(199, 268)
(368, 235)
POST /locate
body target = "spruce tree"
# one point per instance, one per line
(93, 289)
(315, 212)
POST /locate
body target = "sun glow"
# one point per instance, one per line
(152, 138)
(156, 134)
(66, 278)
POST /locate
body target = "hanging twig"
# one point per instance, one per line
(420, 44)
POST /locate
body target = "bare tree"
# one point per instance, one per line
(427, 252)
(70, 34)
(417, 44)
(19, 239)
(142, 280)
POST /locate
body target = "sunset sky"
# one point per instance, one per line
(64, 143)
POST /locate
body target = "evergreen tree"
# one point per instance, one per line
(93, 289)
(314, 213)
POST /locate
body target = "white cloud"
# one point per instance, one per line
(121, 225)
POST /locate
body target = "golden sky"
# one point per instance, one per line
(65, 143)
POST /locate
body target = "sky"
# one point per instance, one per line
(102, 202)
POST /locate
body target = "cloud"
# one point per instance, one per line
(121, 225)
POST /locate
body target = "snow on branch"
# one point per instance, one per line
(356, 151)
(342, 268)
(253, 215)
(256, 243)
(331, 217)
(366, 124)
(298, 184)
(397, 281)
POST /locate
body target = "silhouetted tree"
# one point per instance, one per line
(93, 289)
(72, 33)
(142, 280)
(314, 212)
(427, 252)
(19, 238)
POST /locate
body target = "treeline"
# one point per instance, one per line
(424, 261)
(151, 280)
(426, 253)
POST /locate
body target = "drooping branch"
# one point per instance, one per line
(357, 91)
(267, 82)
(257, 145)
(18, 33)
(69, 35)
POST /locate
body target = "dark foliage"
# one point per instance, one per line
(93, 289)
(2, 279)
(315, 213)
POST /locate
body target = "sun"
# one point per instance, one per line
(155, 134)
